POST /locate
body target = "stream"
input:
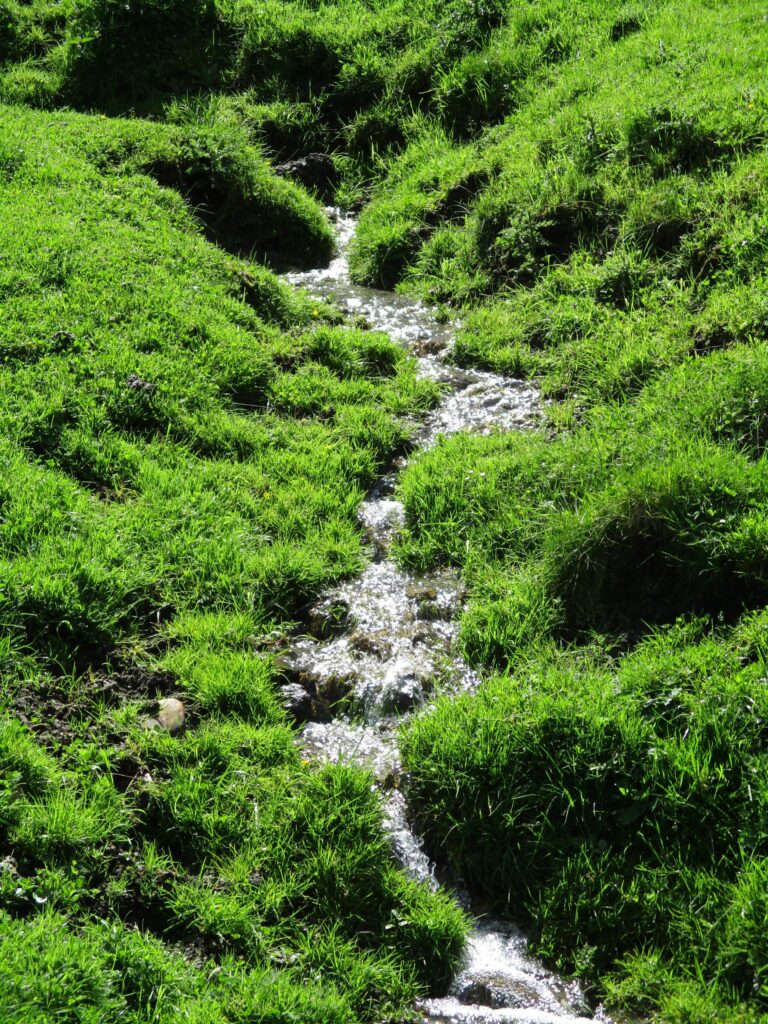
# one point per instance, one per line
(383, 641)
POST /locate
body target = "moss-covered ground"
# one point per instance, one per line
(184, 442)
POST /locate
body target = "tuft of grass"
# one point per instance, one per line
(603, 800)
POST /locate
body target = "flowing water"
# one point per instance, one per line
(381, 643)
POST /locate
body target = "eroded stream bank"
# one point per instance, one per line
(382, 642)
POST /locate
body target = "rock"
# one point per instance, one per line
(329, 618)
(171, 715)
(333, 688)
(499, 993)
(429, 346)
(135, 383)
(408, 692)
(315, 170)
(377, 643)
(285, 664)
(424, 633)
(431, 611)
(296, 701)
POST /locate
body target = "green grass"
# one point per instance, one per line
(185, 441)
(616, 558)
(618, 807)
(184, 444)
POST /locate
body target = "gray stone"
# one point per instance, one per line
(333, 688)
(171, 715)
(315, 170)
(296, 701)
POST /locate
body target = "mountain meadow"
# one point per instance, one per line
(581, 189)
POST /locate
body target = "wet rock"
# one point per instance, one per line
(425, 635)
(384, 487)
(379, 644)
(431, 611)
(320, 712)
(429, 346)
(401, 702)
(328, 619)
(498, 993)
(332, 689)
(286, 666)
(296, 701)
(171, 715)
(315, 170)
(403, 697)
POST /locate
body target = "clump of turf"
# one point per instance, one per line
(617, 807)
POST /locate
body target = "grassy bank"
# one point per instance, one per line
(605, 783)
(185, 442)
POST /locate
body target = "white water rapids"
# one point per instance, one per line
(385, 640)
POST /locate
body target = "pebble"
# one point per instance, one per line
(170, 716)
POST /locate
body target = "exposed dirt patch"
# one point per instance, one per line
(57, 713)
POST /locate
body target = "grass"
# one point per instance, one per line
(616, 557)
(185, 441)
(625, 798)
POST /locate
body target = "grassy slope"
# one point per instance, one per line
(184, 442)
(589, 182)
(622, 237)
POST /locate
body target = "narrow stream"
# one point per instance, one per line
(382, 642)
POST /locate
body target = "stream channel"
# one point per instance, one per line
(381, 640)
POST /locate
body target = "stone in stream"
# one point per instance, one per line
(406, 695)
(377, 643)
(315, 170)
(431, 611)
(333, 688)
(296, 701)
(498, 993)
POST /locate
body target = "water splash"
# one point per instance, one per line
(382, 643)
(501, 982)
